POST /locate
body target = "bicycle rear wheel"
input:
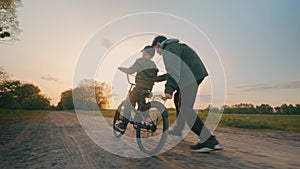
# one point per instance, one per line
(118, 117)
(152, 132)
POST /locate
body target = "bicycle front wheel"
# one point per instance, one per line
(152, 132)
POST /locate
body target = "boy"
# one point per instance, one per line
(146, 75)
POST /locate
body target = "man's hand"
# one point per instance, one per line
(168, 96)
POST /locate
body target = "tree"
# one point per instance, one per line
(4, 76)
(9, 85)
(291, 109)
(84, 95)
(25, 91)
(88, 95)
(36, 102)
(284, 108)
(91, 94)
(103, 94)
(297, 109)
(264, 109)
(9, 24)
(7, 94)
(288, 109)
(242, 108)
(278, 110)
(15, 95)
(7, 101)
(66, 101)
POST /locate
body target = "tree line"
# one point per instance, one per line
(246, 108)
(17, 95)
(88, 95)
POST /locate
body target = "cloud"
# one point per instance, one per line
(50, 78)
(259, 87)
(254, 87)
(290, 85)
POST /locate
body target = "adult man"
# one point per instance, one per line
(185, 72)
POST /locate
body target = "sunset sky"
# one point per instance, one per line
(258, 43)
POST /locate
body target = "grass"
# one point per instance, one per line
(108, 113)
(105, 113)
(262, 121)
(7, 114)
(246, 121)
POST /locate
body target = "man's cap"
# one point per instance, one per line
(149, 49)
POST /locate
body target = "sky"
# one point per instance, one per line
(258, 43)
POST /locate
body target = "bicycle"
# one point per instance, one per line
(151, 125)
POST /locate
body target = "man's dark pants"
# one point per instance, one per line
(184, 101)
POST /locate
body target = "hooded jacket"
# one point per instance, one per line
(182, 63)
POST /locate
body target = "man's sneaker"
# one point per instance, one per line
(175, 132)
(120, 127)
(209, 145)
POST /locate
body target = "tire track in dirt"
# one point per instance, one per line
(8, 135)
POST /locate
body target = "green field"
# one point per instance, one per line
(247, 121)
(7, 114)
(262, 121)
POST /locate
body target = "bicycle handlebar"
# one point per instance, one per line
(128, 79)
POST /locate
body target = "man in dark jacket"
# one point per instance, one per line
(185, 72)
(144, 80)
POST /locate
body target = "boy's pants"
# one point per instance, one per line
(137, 95)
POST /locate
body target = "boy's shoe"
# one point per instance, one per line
(121, 127)
(209, 145)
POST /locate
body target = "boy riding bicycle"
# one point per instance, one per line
(146, 76)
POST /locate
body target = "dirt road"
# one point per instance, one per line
(56, 140)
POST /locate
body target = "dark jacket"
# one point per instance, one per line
(183, 65)
(146, 72)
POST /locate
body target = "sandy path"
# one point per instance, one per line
(56, 140)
